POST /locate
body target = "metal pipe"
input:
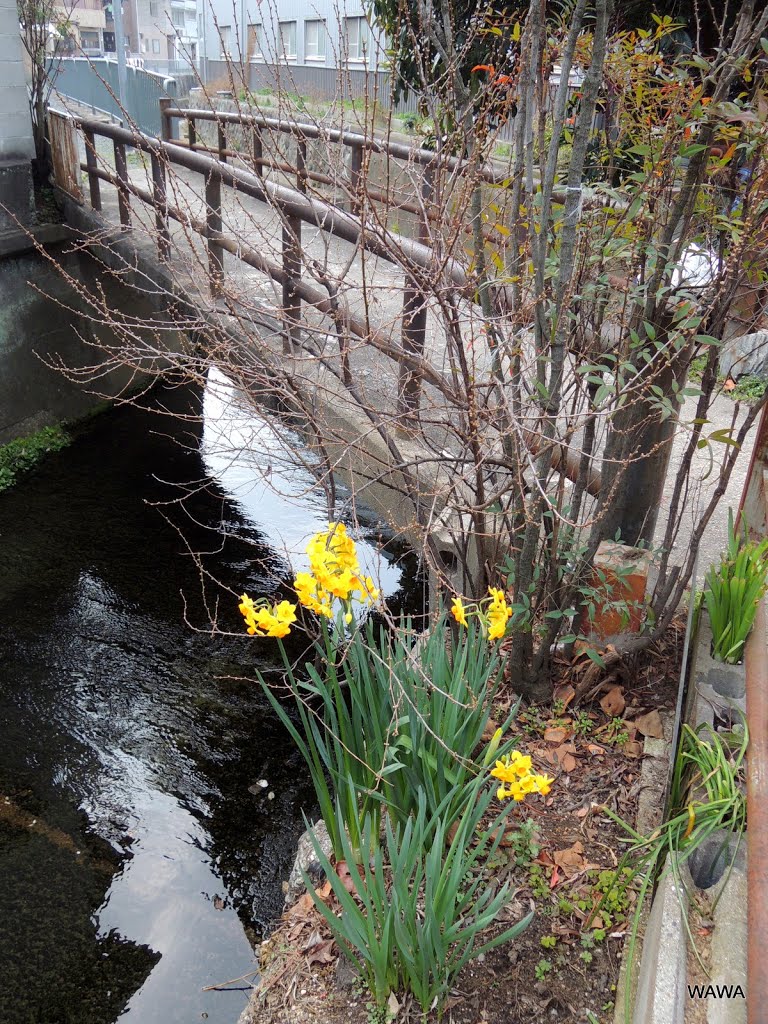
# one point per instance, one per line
(756, 669)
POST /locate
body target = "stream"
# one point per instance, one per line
(141, 856)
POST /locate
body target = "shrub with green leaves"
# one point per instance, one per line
(422, 901)
(734, 589)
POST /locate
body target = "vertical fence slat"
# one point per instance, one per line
(301, 165)
(166, 121)
(292, 268)
(123, 195)
(191, 133)
(214, 224)
(258, 151)
(159, 194)
(413, 331)
(94, 186)
(222, 143)
(355, 172)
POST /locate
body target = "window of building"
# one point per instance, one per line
(314, 40)
(225, 35)
(155, 46)
(287, 39)
(356, 38)
(154, 9)
(255, 41)
(90, 40)
(177, 17)
(144, 47)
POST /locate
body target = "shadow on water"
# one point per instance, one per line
(139, 857)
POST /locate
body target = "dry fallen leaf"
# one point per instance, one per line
(318, 949)
(650, 725)
(564, 694)
(570, 860)
(393, 1006)
(555, 735)
(633, 748)
(613, 702)
(595, 750)
(564, 755)
(490, 728)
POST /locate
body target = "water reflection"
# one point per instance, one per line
(132, 742)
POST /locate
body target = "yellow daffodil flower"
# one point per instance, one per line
(458, 611)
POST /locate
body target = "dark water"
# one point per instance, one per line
(139, 857)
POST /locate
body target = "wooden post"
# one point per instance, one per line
(355, 174)
(64, 156)
(123, 195)
(93, 180)
(301, 165)
(191, 133)
(166, 121)
(258, 152)
(213, 224)
(414, 326)
(292, 268)
(160, 198)
(222, 136)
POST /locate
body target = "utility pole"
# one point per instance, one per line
(122, 83)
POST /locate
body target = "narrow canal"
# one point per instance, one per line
(140, 853)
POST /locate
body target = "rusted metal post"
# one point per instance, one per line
(123, 195)
(160, 197)
(166, 121)
(756, 668)
(355, 175)
(191, 133)
(754, 508)
(414, 326)
(258, 152)
(213, 225)
(222, 143)
(301, 165)
(92, 164)
(292, 269)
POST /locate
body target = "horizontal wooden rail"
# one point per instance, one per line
(295, 207)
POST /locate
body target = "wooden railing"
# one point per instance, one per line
(295, 208)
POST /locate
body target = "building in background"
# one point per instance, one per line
(87, 27)
(161, 35)
(313, 45)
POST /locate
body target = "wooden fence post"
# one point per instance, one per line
(191, 133)
(213, 224)
(301, 165)
(123, 195)
(414, 320)
(91, 162)
(166, 121)
(292, 268)
(222, 142)
(258, 151)
(64, 156)
(355, 172)
(159, 195)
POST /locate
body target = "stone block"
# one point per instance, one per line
(15, 193)
(728, 681)
(661, 986)
(620, 577)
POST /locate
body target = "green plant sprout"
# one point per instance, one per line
(734, 589)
